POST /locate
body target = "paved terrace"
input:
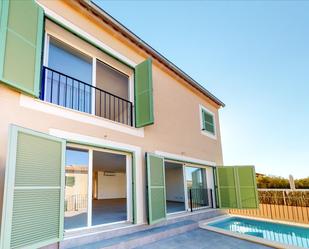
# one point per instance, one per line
(202, 239)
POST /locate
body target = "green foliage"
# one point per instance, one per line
(298, 198)
(302, 183)
(284, 197)
(271, 182)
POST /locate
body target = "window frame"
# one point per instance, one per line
(50, 35)
(205, 132)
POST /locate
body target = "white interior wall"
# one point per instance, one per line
(174, 184)
(111, 187)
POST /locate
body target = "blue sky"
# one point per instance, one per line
(253, 55)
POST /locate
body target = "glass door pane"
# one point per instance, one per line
(197, 187)
(68, 71)
(76, 188)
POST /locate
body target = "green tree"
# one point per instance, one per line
(302, 183)
(280, 182)
(272, 182)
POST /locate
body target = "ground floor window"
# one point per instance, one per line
(97, 189)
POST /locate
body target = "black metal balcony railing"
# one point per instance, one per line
(63, 90)
(199, 198)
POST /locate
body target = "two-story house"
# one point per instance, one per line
(97, 128)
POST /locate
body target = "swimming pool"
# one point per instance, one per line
(286, 234)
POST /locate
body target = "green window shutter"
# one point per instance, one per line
(227, 192)
(203, 120)
(33, 206)
(21, 41)
(143, 94)
(237, 187)
(208, 122)
(247, 187)
(156, 188)
(70, 181)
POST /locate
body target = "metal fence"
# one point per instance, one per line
(75, 202)
(63, 90)
(199, 198)
(281, 204)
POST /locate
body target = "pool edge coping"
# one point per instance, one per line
(271, 220)
(205, 225)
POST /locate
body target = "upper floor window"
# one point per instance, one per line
(115, 105)
(112, 80)
(208, 125)
(67, 68)
(69, 61)
(82, 82)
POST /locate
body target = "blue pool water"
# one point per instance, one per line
(286, 234)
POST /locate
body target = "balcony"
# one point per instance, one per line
(66, 91)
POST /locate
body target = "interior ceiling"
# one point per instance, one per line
(103, 161)
(171, 165)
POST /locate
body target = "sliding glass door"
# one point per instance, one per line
(196, 183)
(76, 188)
(97, 187)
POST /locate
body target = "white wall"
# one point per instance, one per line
(174, 184)
(111, 187)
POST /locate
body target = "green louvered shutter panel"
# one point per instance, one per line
(237, 187)
(227, 191)
(33, 207)
(247, 187)
(21, 39)
(143, 94)
(203, 120)
(208, 122)
(156, 188)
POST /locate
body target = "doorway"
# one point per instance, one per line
(174, 184)
(98, 187)
(109, 200)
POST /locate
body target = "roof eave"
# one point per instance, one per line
(139, 42)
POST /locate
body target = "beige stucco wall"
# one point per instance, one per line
(176, 110)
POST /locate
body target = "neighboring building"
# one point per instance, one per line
(97, 128)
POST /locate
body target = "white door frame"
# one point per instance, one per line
(206, 178)
(185, 187)
(129, 189)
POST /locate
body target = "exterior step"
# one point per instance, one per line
(175, 224)
(93, 235)
(142, 237)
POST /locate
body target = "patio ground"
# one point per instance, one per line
(202, 239)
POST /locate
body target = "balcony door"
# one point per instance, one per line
(112, 94)
(68, 77)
